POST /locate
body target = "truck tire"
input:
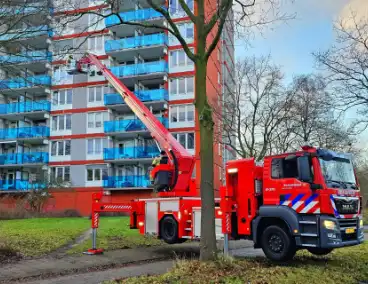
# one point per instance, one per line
(319, 251)
(277, 244)
(169, 230)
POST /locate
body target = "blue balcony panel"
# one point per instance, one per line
(41, 81)
(140, 69)
(127, 125)
(129, 181)
(25, 107)
(20, 185)
(133, 16)
(24, 158)
(148, 152)
(143, 96)
(26, 57)
(135, 42)
(25, 132)
(29, 32)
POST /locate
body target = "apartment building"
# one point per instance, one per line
(76, 128)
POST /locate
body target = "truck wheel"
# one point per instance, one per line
(169, 230)
(319, 251)
(277, 244)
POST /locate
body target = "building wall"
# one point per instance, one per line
(70, 96)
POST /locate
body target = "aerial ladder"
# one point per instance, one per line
(171, 178)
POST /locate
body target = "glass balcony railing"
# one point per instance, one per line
(28, 32)
(140, 69)
(126, 181)
(133, 16)
(28, 82)
(143, 96)
(136, 42)
(24, 158)
(131, 153)
(24, 107)
(24, 132)
(26, 57)
(21, 185)
(127, 125)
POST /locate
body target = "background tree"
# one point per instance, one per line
(256, 108)
(346, 64)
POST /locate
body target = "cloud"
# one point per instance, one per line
(358, 8)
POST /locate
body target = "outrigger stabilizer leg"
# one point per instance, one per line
(94, 250)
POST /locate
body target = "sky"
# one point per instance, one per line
(292, 43)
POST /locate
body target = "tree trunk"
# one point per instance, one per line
(208, 237)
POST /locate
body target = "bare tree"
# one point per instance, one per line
(347, 65)
(257, 107)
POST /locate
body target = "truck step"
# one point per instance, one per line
(308, 235)
(188, 229)
(186, 237)
(189, 221)
(309, 245)
(308, 222)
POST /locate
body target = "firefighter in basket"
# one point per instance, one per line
(156, 161)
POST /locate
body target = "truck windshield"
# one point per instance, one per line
(339, 173)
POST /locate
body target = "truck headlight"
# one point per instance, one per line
(330, 225)
(361, 223)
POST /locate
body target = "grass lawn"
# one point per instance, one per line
(114, 233)
(365, 217)
(34, 237)
(348, 265)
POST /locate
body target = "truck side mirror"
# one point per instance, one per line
(304, 169)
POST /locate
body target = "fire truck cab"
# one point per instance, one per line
(304, 200)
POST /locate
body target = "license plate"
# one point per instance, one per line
(350, 230)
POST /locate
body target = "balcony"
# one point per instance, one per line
(37, 33)
(126, 182)
(153, 71)
(148, 46)
(33, 110)
(35, 84)
(32, 60)
(133, 16)
(129, 128)
(131, 154)
(31, 158)
(34, 133)
(20, 185)
(151, 98)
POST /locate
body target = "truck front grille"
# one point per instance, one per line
(346, 206)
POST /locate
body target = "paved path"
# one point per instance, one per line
(238, 248)
(160, 267)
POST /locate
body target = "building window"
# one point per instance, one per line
(96, 174)
(60, 148)
(95, 146)
(60, 174)
(96, 43)
(61, 122)
(60, 75)
(96, 22)
(62, 97)
(182, 113)
(185, 139)
(176, 8)
(181, 86)
(187, 32)
(96, 119)
(178, 58)
(95, 94)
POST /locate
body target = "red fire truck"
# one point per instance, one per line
(308, 199)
